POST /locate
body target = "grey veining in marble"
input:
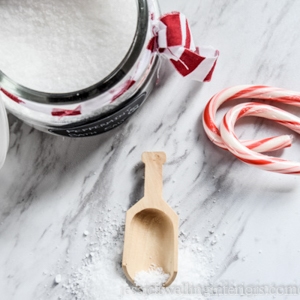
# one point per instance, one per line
(52, 188)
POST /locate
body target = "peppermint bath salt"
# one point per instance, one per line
(57, 279)
(100, 275)
(154, 277)
(62, 46)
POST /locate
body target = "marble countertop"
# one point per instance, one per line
(63, 200)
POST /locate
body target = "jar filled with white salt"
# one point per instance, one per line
(76, 68)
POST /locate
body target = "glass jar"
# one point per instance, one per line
(97, 108)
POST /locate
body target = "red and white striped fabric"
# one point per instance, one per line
(175, 42)
(248, 151)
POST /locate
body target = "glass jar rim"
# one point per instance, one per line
(96, 89)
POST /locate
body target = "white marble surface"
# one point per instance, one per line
(244, 222)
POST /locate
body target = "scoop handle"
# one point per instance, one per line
(153, 176)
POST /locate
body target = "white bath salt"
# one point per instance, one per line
(57, 279)
(101, 276)
(154, 277)
(62, 46)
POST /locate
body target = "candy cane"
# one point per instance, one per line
(252, 92)
(249, 156)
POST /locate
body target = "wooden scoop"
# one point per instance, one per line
(151, 228)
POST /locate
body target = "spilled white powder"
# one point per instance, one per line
(86, 233)
(57, 279)
(62, 46)
(100, 274)
(154, 277)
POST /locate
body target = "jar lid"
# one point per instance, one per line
(4, 133)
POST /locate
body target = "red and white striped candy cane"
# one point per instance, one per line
(248, 151)
(249, 156)
(249, 92)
